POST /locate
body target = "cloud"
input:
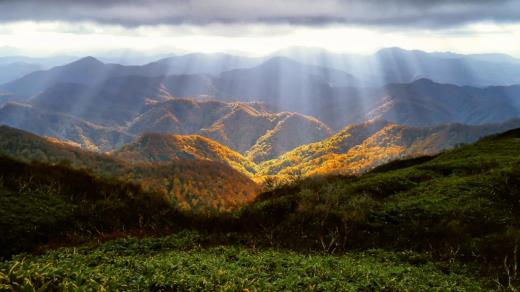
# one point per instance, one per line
(424, 13)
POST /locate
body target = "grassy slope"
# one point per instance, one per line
(461, 204)
(43, 203)
(179, 263)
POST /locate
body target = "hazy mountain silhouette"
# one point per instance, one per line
(396, 65)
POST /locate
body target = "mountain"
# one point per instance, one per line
(118, 100)
(197, 63)
(396, 65)
(132, 57)
(425, 103)
(402, 66)
(452, 219)
(120, 96)
(29, 147)
(90, 71)
(419, 103)
(112, 103)
(87, 71)
(244, 127)
(190, 183)
(181, 116)
(389, 65)
(107, 120)
(359, 148)
(277, 81)
(165, 148)
(63, 126)
(12, 71)
(282, 82)
(290, 132)
(495, 57)
(6, 98)
(135, 105)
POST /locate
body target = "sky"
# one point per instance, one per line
(257, 27)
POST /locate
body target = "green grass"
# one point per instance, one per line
(179, 263)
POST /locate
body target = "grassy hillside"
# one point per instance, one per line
(42, 203)
(460, 205)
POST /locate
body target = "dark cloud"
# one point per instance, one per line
(426, 13)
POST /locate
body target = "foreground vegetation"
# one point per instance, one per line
(462, 205)
(55, 204)
(181, 263)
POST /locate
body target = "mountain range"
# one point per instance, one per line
(397, 65)
(245, 127)
(335, 97)
(388, 65)
(353, 150)
(287, 114)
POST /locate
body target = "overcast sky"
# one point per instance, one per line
(43, 27)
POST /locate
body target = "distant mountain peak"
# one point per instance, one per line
(424, 81)
(89, 60)
(390, 50)
(280, 60)
(428, 82)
